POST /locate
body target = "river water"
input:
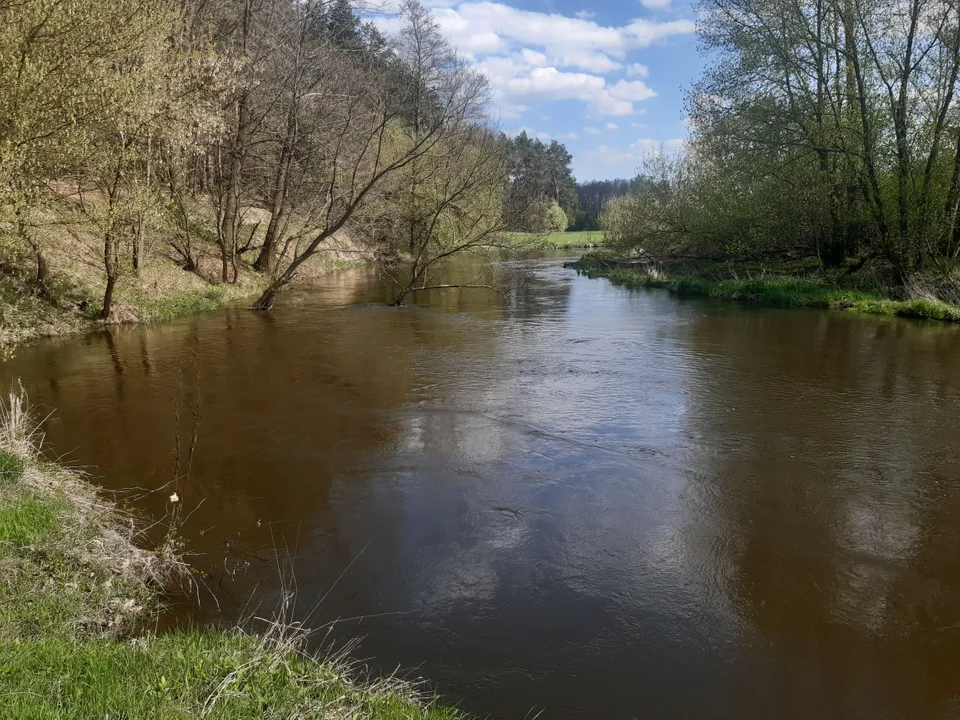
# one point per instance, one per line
(576, 499)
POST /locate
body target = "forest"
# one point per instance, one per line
(241, 139)
(825, 137)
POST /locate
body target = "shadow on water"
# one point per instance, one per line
(576, 498)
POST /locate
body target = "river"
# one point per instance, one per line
(575, 499)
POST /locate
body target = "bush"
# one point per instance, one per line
(556, 219)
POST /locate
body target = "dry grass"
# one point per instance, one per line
(160, 290)
(69, 564)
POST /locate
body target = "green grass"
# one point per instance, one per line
(560, 240)
(181, 304)
(27, 522)
(11, 467)
(777, 290)
(77, 599)
(222, 675)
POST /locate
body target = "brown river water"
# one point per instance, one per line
(576, 499)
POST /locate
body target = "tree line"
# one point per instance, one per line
(541, 194)
(593, 196)
(130, 116)
(821, 128)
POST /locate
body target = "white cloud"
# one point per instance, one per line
(585, 14)
(645, 146)
(612, 126)
(635, 90)
(494, 25)
(655, 4)
(529, 131)
(568, 136)
(552, 84)
(534, 58)
(539, 56)
(596, 62)
(592, 130)
(636, 152)
(645, 32)
(515, 84)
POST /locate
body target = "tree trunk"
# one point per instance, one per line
(231, 202)
(108, 298)
(266, 260)
(266, 300)
(42, 271)
(138, 245)
(111, 264)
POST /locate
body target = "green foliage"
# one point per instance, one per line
(593, 196)
(182, 304)
(555, 240)
(26, 522)
(776, 291)
(11, 467)
(556, 218)
(821, 128)
(540, 175)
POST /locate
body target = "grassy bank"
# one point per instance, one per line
(160, 289)
(77, 597)
(560, 240)
(766, 287)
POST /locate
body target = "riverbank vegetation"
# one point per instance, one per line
(786, 285)
(568, 240)
(825, 134)
(156, 157)
(77, 599)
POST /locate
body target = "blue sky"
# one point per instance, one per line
(605, 78)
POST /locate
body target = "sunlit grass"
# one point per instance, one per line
(772, 290)
(211, 674)
(560, 240)
(27, 521)
(11, 467)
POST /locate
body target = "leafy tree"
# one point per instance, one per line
(538, 174)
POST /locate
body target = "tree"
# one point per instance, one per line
(146, 86)
(368, 138)
(835, 124)
(538, 175)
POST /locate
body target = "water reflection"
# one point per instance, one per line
(575, 498)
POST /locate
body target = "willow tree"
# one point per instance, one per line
(839, 119)
(151, 92)
(450, 200)
(86, 84)
(55, 61)
(363, 135)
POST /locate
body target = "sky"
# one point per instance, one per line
(604, 77)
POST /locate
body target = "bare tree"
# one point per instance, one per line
(363, 136)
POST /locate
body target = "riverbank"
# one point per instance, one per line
(70, 299)
(579, 240)
(77, 598)
(766, 287)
